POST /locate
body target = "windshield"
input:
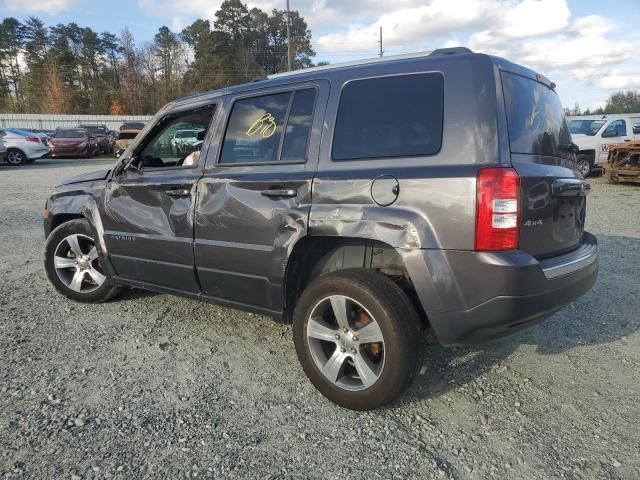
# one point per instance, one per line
(585, 127)
(70, 134)
(535, 118)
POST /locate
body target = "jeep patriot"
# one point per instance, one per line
(363, 202)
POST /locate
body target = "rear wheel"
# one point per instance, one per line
(358, 338)
(16, 157)
(583, 165)
(74, 266)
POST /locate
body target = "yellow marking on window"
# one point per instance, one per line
(264, 126)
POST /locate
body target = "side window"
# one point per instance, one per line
(390, 117)
(271, 128)
(176, 141)
(617, 128)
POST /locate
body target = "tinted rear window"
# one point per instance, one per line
(395, 116)
(535, 117)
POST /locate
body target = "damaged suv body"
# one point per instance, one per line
(365, 202)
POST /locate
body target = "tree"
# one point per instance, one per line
(168, 53)
(55, 98)
(36, 52)
(11, 43)
(116, 108)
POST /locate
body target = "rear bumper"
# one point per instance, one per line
(478, 296)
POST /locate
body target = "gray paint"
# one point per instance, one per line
(227, 242)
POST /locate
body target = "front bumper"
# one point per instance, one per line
(471, 297)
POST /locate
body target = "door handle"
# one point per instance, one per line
(179, 192)
(627, 139)
(280, 193)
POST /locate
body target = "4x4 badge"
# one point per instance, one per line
(533, 223)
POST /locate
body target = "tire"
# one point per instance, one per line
(375, 299)
(16, 157)
(584, 165)
(79, 261)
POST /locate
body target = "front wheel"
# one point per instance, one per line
(74, 266)
(583, 165)
(358, 338)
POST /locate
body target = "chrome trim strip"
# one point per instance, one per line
(558, 269)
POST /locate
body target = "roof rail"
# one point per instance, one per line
(435, 53)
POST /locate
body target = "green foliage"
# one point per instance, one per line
(93, 71)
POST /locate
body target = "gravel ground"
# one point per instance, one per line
(154, 386)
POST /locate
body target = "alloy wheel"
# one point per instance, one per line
(14, 157)
(346, 343)
(77, 264)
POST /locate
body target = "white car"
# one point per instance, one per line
(23, 147)
(3, 150)
(594, 134)
(183, 138)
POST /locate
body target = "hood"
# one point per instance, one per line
(86, 177)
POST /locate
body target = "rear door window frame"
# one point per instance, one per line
(288, 88)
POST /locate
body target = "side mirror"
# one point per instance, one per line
(609, 134)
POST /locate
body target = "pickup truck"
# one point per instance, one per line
(594, 134)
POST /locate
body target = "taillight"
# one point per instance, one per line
(498, 209)
(33, 139)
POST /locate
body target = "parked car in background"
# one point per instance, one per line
(132, 126)
(47, 132)
(101, 133)
(72, 142)
(24, 147)
(594, 134)
(183, 139)
(3, 150)
(125, 137)
(364, 218)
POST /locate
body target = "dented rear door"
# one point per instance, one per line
(255, 196)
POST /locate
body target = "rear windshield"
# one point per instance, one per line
(127, 135)
(70, 134)
(585, 127)
(535, 117)
(97, 130)
(132, 126)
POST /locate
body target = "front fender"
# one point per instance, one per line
(74, 204)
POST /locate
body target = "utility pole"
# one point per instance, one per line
(288, 38)
(379, 41)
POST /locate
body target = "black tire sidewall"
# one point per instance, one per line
(587, 160)
(78, 226)
(397, 319)
(22, 156)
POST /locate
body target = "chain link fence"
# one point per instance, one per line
(51, 122)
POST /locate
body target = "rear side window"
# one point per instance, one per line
(395, 116)
(269, 129)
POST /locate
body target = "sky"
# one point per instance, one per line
(588, 48)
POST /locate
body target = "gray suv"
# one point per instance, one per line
(365, 203)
